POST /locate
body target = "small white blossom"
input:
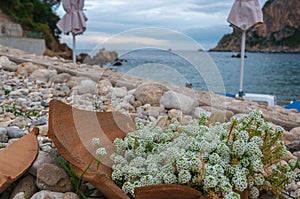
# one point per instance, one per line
(96, 141)
(128, 188)
(238, 147)
(210, 181)
(170, 178)
(117, 175)
(232, 195)
(184, 176)
(215, 157)
(254, 192)
(147, 180)
(101, 151)
(257, 140)
(259, 179)
(240, 183)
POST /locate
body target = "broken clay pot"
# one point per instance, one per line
(16, 158)
(72, 130)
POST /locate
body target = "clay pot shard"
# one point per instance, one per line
(168, 191)
(72, 131)
(16, 158)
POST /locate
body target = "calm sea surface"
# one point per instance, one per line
(265, 73)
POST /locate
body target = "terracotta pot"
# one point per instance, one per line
(168, 191)
(72, 130)
(16, 158)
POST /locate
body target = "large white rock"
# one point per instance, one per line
(85, 86)
(60, 78)
(150, 93)
(198, 111)
(7, 65)
(42, 74)
(296, 132)
(104, 87)
(25, 69)
(119, 92)
(173, 100)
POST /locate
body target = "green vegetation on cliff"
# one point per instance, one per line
(280, 31)
(35, 16)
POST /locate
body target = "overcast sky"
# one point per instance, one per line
(127, 24)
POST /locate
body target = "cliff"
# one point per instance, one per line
(280, 31)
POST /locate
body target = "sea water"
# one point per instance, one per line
(264, 73)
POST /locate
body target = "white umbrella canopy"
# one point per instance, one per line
(244, 14)
(73, 21)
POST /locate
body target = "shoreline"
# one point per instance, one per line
(29, 82)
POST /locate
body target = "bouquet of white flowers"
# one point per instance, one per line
(221, 159)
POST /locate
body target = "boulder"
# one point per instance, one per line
(218, 115)
(119, 92)
(25, 69)
(73, 81)
(130, 99)
(296, 132)
(186, 119)
(288, 137)
(152, 112)
(42, 75)
(7, 65)
(173, 100)
(174, 113)
(60, 78)
(104, 87)
(150, 93)
(51, 177)
(85, 86)
(198, 111)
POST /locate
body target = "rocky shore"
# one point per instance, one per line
(28, 83)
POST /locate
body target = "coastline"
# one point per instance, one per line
(29, 82)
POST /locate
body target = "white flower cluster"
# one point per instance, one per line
(100, 150)
(223, 158)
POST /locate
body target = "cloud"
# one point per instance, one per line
(191, 17)
(150, 37)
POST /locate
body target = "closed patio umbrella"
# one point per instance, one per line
(73, 21)
(244, 14)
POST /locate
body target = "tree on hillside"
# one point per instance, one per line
(35, 16)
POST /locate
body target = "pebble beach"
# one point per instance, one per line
(28, 83)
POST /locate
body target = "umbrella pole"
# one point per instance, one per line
(243, 43)
(74, 48)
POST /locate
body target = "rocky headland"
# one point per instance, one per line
(29, 82)
(280, 31)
